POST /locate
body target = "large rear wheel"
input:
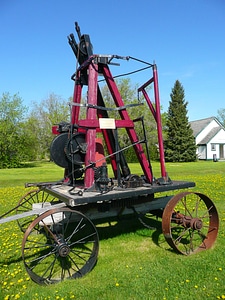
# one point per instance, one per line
(60, 244)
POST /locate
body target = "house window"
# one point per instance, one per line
(213, 147)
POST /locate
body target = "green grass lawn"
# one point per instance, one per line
(134, 262)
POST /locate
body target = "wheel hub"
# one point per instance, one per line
(64, 250)
(196, 224)
(187, 221)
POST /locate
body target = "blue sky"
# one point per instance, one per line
(186, 39)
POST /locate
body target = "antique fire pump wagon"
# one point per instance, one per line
(58, 218)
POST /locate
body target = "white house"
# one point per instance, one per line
(209, 136)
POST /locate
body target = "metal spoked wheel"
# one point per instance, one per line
(27, 203)
(190, 223)
(60, 244)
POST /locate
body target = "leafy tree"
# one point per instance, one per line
(180, 142)
(221, 116)
(43, 116)
(14, 145)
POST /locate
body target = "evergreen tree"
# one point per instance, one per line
(180, 142)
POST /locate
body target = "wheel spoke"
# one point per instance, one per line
(192, 247)
(67, 224)
(77, 269)
(49, 269)
(202, 235)
(78, 228)
(178, 239)
(197, 206)
(185, 206)
(84, 240)
(35, 262)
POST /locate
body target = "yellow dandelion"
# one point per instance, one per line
(117, 284)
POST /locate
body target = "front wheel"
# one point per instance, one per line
(190, 223)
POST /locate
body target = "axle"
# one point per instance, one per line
(187, 221)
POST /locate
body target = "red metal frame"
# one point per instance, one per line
(91, 123)
(156, 114)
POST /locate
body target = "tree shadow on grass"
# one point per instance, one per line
(32, 164)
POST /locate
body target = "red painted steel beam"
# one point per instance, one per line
(159, 122)
(151, 107)
(156, 114)
(91, 115)
(76, 99)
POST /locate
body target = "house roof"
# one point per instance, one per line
(199, 125)
(210, 135)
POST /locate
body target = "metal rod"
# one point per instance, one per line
(159, 123)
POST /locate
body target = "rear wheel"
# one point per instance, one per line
(60, 244)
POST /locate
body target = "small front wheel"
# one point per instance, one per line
(190, 223)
